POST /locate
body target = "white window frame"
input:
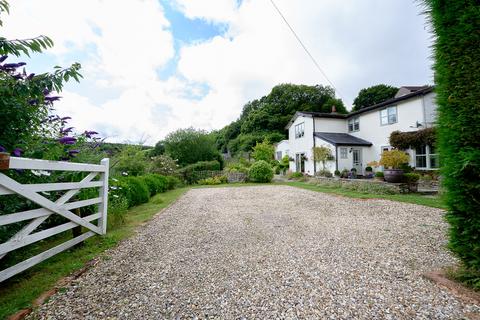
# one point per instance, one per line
(428, 158)
(300, 130)
(343, 153)
(354, 123)
(390, 115)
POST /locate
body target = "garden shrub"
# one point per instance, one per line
(394, 159)
(324, 173)
(188, 172)
(156, 183)
(295, 175)
(173, 182)
(411, 177)
(260, 171)
(134, 189)
(457, 80)
(117, 208)
(379, 174)
(214, 180)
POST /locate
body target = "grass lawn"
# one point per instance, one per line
(429, 201)
(18, 292)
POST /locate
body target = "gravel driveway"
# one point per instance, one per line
(271, 252)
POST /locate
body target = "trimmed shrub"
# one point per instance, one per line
(156, 183)
(379, 174)
(457, 80)
(134, 189)
(411, 177)
(295, 175)
(260, 171)
(173, 182)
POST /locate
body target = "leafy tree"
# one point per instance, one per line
(189, 146)
(163, 165)
(158, 149)
(456, 25)
(263, 151)
(131, 161)
(267, 117)
(27, 100)
(372, 95)
(322, 154)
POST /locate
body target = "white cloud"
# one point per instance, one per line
(122, 44)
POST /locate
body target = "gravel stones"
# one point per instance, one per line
(273, 252)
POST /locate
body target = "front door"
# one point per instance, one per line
(357, 160)
(300, 162)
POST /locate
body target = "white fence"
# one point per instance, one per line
(61, 206)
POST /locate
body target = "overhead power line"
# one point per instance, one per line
(306, 49)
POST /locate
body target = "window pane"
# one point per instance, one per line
(392, 118)
(383, 113)
(434, 162)
(422, 150)
(356, 126)
(384, 120)
(432, 150)
(421, 161)
(392, 111)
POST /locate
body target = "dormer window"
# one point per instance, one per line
(300, 130)
(354, 124)
(388, 116)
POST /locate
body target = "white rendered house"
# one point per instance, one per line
(360, 137)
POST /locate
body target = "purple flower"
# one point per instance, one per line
(3, 58)
(89, 134)
(65, 118)
(67, 130)
(72, 153)
(30, 76)
(11, 65)
(21, 64)
(51, 99)
(46, 91)
(2, 149)
(67, 140)
(17, 152)
(34, 102)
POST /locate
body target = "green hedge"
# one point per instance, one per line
(457, 79)
(138, 190)
(188, 172)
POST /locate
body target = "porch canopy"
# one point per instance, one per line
(342, 139)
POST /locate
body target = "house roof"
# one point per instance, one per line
(342, 139)
(315, 115)
(418, 92)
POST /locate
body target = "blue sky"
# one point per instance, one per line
(153, 66)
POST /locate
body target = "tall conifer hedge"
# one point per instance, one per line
(456, 25)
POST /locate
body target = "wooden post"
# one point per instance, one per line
(103, 207)
(4, 161)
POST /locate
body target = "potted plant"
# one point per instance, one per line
(392, 162)
(412, 180)
(337, 174)
(368, 172)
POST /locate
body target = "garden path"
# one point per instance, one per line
(271, 252)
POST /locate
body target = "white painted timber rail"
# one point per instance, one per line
(96, 177)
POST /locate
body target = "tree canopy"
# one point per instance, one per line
(372, 95)
(190, 146)
(266, 118)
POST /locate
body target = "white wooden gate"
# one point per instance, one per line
(61, 206)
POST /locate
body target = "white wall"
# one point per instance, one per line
(284, 147)
(302, 145)
(330, 125)
(330, 165)
(408, 113)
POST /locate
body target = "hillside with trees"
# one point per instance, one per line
(267, 117)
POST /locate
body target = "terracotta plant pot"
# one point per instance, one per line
(393, 175)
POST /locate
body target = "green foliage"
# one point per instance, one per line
(158, 150)
(370, 96)
(189, 146)
(134, 189)
(241, 166)
(379, 174)
(457, 80)
(117, 209)
(411, 177)
(394, 159)
(337, 173)
(267, 117)
(188, 172)
(260, 171)
(322, 154)
(173, 182)
(413, 139)
(263, 151)
(213, 181)
(295, 175)
(324, 173)
(131, 160)
(163, 164)
(155, 183)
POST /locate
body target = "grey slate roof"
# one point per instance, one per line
(342, 139)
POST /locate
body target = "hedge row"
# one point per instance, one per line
(138, 190)
(457, 79)
(188, 172)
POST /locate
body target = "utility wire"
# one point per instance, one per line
(305, 48)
